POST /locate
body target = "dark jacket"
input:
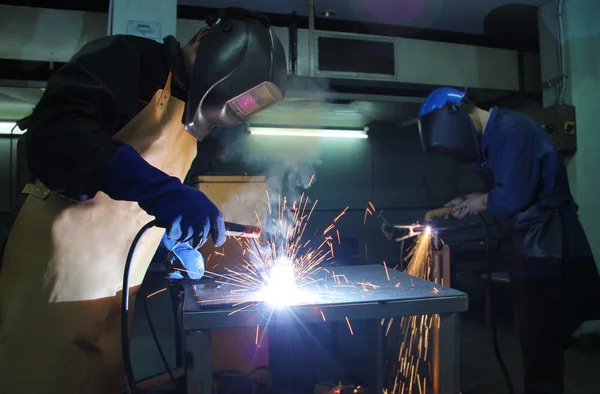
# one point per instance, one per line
(105, 85)
(529, 195)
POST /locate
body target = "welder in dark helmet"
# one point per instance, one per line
(109, 144)
(551, 266)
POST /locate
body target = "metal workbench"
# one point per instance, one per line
(203, 309)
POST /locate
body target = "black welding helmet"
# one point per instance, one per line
(240, 69)
(446, 129)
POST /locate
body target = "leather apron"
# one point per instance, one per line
(61, 279)
(555, 236)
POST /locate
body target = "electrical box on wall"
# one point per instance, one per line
(559, 122)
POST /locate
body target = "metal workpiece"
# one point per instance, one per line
(369, 292)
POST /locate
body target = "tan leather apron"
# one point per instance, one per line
(61, 279)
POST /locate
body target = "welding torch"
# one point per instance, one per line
(436, 213)
(241, 230)
(400, 233)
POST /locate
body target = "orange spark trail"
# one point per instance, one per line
(323, 315)
(257, 218)
(312, 178)
(328, 229)
(349, 326)
(341, 214)
(413, 344)
(386, 271)
(156, 292)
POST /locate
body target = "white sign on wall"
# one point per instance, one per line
(149, 30)
(153, 19)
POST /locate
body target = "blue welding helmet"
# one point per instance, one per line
(446, 129)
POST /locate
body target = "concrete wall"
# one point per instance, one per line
(582, 63)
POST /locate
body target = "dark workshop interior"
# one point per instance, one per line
(340, 185)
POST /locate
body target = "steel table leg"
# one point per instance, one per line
(380, 356)
(448, 373)
(198, 362)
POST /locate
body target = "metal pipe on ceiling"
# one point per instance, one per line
(293, 42)
(311, 37)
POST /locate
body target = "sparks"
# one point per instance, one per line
(257, 218)
(414, 338)
(349, 326)
(156, 292)
(386, 271)
(277, 270)
(341, 214)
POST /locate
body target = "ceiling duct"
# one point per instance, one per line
(336, 79)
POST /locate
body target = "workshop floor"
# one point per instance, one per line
(480, 373)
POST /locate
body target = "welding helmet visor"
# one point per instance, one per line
(450, 131)
(240, 69)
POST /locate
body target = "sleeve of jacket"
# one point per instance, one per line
(69, 141)
(516, 168)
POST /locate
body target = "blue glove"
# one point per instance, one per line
(183, 211)
(187, 262)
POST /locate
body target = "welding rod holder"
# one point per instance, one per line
(241, 230)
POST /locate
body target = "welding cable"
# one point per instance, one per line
(159, 348)
(125, 308)
(10, 169)
(497, 352)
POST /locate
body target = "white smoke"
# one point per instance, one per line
(289, 171)
(288, 163)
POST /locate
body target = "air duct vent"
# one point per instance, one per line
(356, 56)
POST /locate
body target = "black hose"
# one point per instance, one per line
(497, 352)
(125, 309)
(160, 351)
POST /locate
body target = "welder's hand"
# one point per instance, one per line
(454, 202)
(183, 211)
(474, 204)
(187, 264)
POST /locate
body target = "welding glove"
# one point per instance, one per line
(187, 264)
(183, 211)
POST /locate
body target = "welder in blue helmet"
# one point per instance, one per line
(551, 266)
(109, 145)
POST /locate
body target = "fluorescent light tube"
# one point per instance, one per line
(6, 127)
(298, 132)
